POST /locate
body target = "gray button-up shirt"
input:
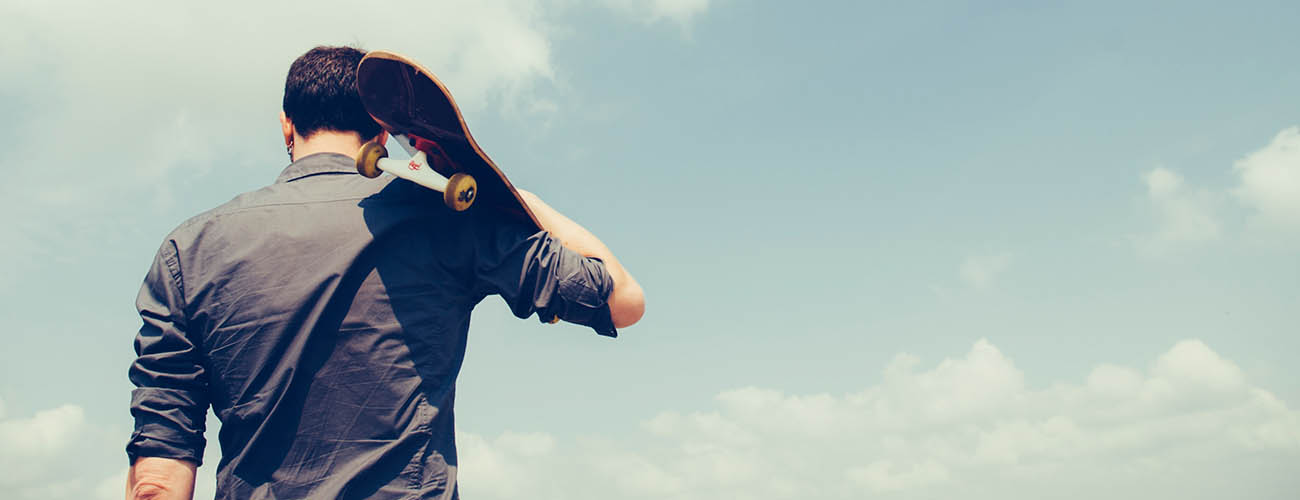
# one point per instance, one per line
(323, 318)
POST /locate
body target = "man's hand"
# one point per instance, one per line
(627, 303)
(152, 478)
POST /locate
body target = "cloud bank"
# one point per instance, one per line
(37, 451)
(177, 82)
(114, 111)
(1189, 425)
(107, 127)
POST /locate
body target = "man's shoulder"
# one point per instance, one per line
(328, 197)
(249, 199)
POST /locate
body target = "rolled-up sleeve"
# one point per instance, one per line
(534, 273)
(170, 402)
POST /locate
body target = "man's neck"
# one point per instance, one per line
(326, 141)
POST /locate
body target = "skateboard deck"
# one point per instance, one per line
(418, 110)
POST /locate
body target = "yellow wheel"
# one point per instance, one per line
(460, 193)
(368, 159)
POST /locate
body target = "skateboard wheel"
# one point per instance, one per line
(368, 159)
(460, 193)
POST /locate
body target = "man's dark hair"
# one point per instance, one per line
(320, 93)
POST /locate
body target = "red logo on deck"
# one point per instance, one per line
(413, 165)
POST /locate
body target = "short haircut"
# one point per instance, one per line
(320, 93)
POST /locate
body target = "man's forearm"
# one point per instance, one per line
(152, 478)
(627, 302)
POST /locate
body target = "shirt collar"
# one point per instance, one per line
(318, 163)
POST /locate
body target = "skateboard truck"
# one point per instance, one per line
(458, 192)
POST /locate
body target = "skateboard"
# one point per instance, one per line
(418, 110)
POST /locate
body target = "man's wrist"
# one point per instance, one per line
(155, 478)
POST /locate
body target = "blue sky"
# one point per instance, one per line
(897, 251)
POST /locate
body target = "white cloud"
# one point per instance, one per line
(1270, 179)
(1268, 186)
(114, 109)
(980, 271)
(504, 466)
(174, 83)
(32, 449)
(1189, 425)
(1183, 215)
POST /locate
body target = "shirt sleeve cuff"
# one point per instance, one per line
(143, 446)
(169, 423)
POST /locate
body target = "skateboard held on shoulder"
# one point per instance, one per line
(415, 107)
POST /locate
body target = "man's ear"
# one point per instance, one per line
(286, 128)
